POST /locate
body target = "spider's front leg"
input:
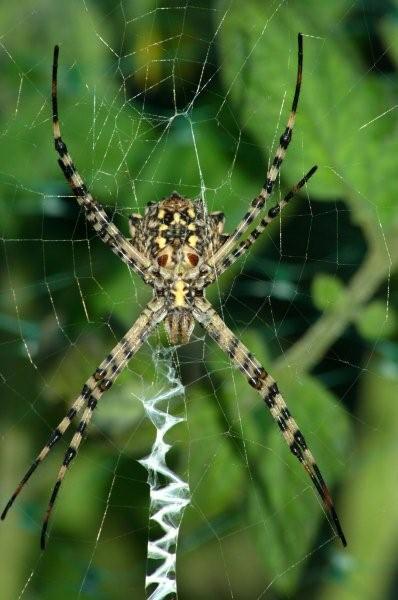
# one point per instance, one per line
(268, 389)
(259, 201)
(246, 244)
(95, 214)
(99, 382)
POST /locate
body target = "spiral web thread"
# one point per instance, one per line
(169, 494)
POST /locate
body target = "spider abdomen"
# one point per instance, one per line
(179, 325)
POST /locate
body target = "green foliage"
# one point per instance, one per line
(216, 475)
(370, 497)
(326, 291)
(376, 321)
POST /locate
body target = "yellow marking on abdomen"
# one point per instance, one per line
(179, 292)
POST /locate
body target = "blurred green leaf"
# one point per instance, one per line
(370, 496)
(215, 475)
(388, 28)
(377, 321)
(326, 291)
(15, 541)
(191, 156)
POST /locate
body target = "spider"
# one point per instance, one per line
(178, 248)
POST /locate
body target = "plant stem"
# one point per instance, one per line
(312, 346)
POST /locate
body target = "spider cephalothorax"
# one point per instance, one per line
(178, 248)
(177, 233)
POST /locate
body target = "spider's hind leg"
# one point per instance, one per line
(69, 456)
(259, 201)
(55, 436)
(260, 380)
(101, 380)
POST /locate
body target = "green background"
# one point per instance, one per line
(158, 96)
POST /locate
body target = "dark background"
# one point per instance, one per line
(158, 96)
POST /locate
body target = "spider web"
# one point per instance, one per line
(163, 96)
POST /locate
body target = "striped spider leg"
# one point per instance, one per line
(273, 212)
(99, 382)
(259, 201)
(260, 380)
(95, 214)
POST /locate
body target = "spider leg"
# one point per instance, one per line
(268, 389)
(273, 212)
(75, 442)
(56, 435)
(95, 214)
(99, 382)
(258, 202)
